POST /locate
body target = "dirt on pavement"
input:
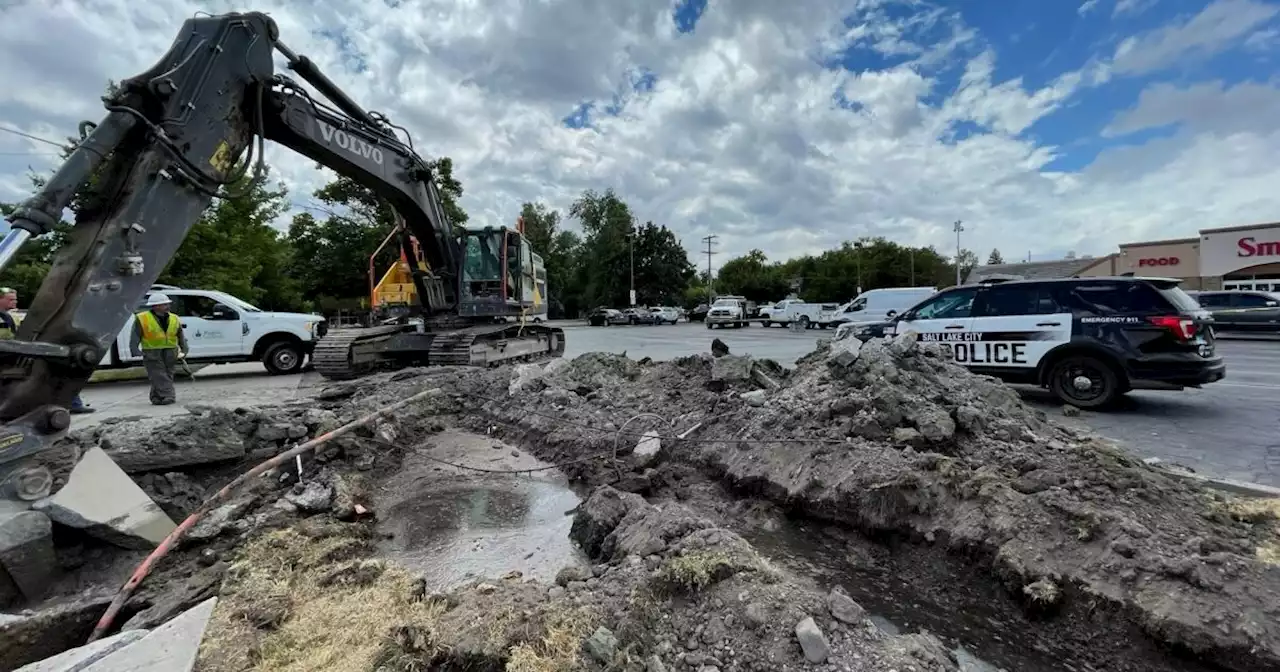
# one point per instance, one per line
(1099, 561)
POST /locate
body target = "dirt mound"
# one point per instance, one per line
(892, 439)
(669, 589)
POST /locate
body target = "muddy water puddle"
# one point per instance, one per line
(453, 525)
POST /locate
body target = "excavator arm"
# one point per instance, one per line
(176, 136)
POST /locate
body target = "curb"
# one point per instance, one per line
(1224, 484)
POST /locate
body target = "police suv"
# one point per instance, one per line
(1088, 340)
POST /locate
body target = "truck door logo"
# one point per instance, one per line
(341, 138)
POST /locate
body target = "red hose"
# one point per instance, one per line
(165, 546)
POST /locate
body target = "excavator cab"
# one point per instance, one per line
(499, 278)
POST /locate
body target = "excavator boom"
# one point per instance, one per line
(174, 138)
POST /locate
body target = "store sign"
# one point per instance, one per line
(1159, 261)
(1250, 247)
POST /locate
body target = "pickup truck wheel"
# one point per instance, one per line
(804, 322)
(283, 358)
(1085, 382)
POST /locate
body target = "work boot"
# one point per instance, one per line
(81, 410)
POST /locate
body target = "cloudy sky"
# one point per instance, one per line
(1045, 125)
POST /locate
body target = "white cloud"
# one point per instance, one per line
(1132, 7)
(1086, 7)
(1208, 107)
(740, 135)
(1216, 28)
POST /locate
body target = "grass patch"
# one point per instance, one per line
(308, 598)
(1259, 511)
(695, 571)
(559, 647)
(1254, 510)
(277, 614)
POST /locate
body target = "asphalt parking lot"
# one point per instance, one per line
(1227, 429)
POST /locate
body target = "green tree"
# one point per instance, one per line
(233, 248)
(968, 261)
(835, 275)
(994, 258)
(753, 277)
(559, 251)
(612, 242)
(450, 190)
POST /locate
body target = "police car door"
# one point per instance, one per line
(1014, 326)
(944, 318)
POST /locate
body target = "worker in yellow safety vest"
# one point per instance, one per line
(159, 340)
(9, 328)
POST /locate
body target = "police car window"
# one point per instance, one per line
(947, 306)
(1103, 299)
(1009, 300)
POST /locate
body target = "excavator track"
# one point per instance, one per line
(350, 353)
(344, 354)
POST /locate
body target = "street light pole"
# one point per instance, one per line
(958, 228)
(631, 240)
(857, 250)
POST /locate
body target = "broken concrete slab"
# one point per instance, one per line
(82, 658)
(26, 553)
(102, 500)
(732, 368)
(171, 647)
(31, 636)
(142, 446)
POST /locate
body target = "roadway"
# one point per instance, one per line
(1228, 429)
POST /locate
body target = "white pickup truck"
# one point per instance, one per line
(222, 329)
(808, 315)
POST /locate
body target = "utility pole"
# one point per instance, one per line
(631, 243)
(710, 240)
(857, 250)
(958, 228)
(912, 252)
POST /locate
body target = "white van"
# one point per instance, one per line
(874, 305)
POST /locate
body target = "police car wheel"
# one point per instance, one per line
(1085, 382)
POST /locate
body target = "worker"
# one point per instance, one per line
(9, 328)
(158, 338)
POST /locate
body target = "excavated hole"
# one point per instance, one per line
(913, 584)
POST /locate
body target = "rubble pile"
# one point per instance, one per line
(889, 437)
(886, 440)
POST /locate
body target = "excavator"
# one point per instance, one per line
(188, 130)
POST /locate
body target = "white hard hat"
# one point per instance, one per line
(158, 299)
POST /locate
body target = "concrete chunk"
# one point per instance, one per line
(171, 647)
(82, 658)
(163, 444)
(26, 552)
(102, 500)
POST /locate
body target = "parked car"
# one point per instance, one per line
(604, 317)
(699, 313)
(728, 311)
(665, 315)
(1242, 311)
(639, 316)
(1088, 340)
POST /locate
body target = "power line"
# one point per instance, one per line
(37, 138)
(711, 283)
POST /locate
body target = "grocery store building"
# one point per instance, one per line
(1238, 257)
